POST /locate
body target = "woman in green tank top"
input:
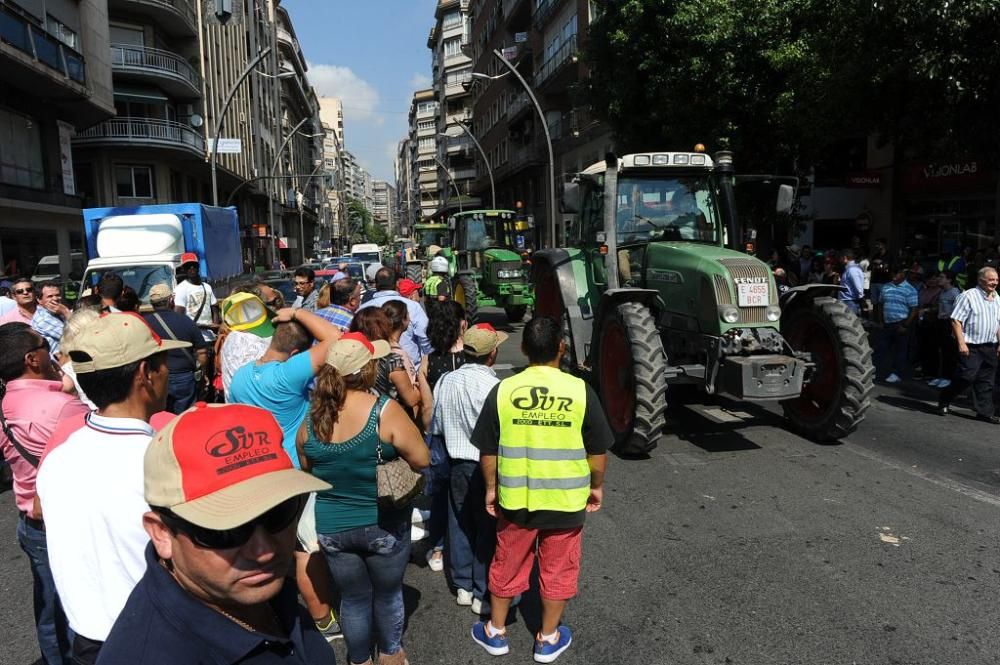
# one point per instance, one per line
(366, 547)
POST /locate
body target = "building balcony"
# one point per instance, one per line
(177, 17)
(427, 113)
(556, 63)
(463, 174)
(458, 144)
(143, 132)
(27, 50)
(518, 106)
(544, 10)
(168, 70)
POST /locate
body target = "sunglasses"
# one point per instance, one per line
(273, 521)
(22, 292)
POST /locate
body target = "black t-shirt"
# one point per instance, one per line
(185, 330)
(440, 363)
(597, 438)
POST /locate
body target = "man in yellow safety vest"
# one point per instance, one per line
(955, 265)
(542, 438)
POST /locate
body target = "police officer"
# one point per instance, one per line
(542, 438)
(437, 287)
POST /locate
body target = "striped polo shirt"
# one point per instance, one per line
(979, 315)
(897, 301)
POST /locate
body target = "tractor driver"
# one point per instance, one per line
(437, 287)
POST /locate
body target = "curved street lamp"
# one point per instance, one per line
(486, 161)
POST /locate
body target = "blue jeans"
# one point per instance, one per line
(367, 565)
(54, 636)
(893, 349)
(472, 533)
(181, 392)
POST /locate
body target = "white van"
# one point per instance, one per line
(48, 268)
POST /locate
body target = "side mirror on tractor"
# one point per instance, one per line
(569, 202)
(786, 198)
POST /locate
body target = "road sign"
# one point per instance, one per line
(227, 146)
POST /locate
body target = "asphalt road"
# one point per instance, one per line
(738, 542)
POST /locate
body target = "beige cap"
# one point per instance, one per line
(222, 465)
(159, 293)
(349, 354)
(481, 339)
(115, 340)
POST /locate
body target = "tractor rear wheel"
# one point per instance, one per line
(631, 369)
(415, 272)
(464, 292)
(515, 313)
(840, 385)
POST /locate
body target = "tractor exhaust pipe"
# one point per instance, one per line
(724, 166)
(610, 212)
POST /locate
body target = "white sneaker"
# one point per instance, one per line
(463, 597)
(435, 560)
(934, 382)
(892, 378)
(477, 606)
(944, 383)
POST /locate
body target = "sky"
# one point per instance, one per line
(372, 54)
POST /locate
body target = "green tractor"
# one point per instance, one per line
(426, 235)
(487, 262)
(654, 295)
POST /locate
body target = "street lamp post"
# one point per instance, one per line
(274, 165)
(458, 193)
(301, 202)
(220, 120)
(545, 128)
(486, 161)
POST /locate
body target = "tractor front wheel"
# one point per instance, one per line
(515, 313)
(415, 272)
(464, 292)
(838, 393)
(631, 370)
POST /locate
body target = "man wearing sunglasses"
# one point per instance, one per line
(304, 283)
(24, 297)
(224, 501)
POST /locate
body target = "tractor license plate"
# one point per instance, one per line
(753, 295)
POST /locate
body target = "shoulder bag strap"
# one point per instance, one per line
(31, 459)
(170, 333)
(204, 290)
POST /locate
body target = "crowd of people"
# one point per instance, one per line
(935, 319)
(234, 480)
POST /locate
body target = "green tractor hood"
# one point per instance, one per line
(498, 254)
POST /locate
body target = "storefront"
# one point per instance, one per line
(949, 206)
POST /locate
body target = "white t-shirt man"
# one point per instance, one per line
(191, 296)
(91, 490)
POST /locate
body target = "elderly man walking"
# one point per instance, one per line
(976, 324)
(542, 438)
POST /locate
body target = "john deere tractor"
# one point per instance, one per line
(487, 256)
(428, 238)
(654, 295)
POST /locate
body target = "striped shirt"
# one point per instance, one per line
(979, 315)
(339, 316)
(897, 301)
(458, 401)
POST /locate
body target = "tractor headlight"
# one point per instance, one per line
(508, 274)
(729, 314)
(773, 313)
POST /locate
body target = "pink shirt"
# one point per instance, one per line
(15, 316)
(33, 408)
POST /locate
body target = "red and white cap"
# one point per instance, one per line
(189, 257)
(350, 353)
(222, 465)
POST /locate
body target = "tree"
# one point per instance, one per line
(783, 81)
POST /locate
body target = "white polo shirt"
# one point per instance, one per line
(91, 489)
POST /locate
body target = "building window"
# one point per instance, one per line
(21, 160)
(426, 143)
(452, 47)
(134, 182)
(424, 125)
(451, 19)
(61, 31)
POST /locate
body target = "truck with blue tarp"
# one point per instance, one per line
(144, 244)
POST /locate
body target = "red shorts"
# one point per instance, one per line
(558, 560)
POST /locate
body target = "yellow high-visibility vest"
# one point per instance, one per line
(960, 278)
(542, 462)
(431, 286)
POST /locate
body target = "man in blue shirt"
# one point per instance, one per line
(853, 281)
(414, 339)
(897, 312)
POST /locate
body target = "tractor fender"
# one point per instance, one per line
(564, 291)
(805, 294)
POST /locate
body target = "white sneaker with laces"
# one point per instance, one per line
(944, 383)
(435, 560)
(463, 597)
(477, 606)
(892, 378)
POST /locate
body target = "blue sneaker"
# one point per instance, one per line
(495, 646)
(546, 652)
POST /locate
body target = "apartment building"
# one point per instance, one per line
(543, 38)
(55, 80)
(407, 201)
(331, 112)
(452, 76)
(424, 166)
(384, 205)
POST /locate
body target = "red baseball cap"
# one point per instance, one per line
(222, 465)
(189, 257)
(407, 286)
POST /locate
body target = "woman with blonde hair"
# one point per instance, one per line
(367, 546)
